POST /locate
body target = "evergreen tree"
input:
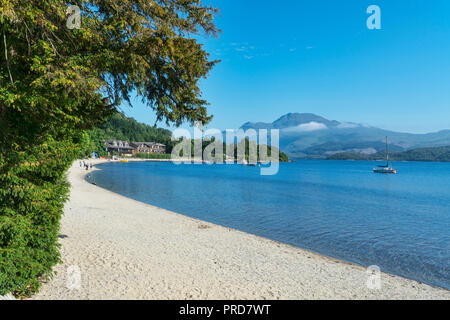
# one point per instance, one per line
(57, 82)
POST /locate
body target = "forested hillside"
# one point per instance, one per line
(421, 154)
(120, 127)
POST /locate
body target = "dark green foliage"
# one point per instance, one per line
(206, 142)
(350, 156)
(284, 157)
(154, 156)
(120, 127)
(56, 83)
(318, 151)
(123, 128)
(423, 154)
(33, 190)
(441, 154)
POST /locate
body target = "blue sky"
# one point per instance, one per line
(319, 57)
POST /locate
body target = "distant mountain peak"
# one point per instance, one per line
(296, 119)
(291, 120)
(310, 135)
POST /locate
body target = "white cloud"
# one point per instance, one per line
(348, 125)
(306, 127)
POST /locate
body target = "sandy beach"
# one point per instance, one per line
(126, 249)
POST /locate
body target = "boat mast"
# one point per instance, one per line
(387, 152)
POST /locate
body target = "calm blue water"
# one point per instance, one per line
(337, 208)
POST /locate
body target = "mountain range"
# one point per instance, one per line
(306, 135)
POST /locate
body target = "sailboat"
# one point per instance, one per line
(386, 168)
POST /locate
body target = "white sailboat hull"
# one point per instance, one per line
(385, 170)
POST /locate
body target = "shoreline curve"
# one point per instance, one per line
(126, 249)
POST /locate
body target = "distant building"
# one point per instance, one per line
(148, 147)
(123, 148)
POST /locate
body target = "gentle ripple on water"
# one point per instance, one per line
(340, 209)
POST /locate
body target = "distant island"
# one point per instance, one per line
(437, 154)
